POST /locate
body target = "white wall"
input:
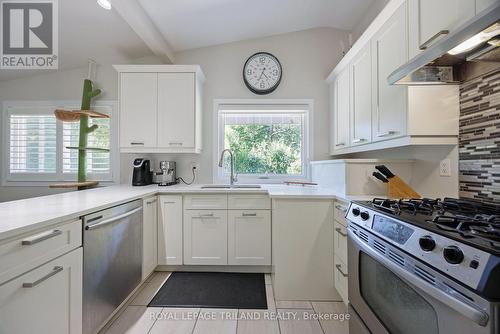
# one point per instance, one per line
(306, 57)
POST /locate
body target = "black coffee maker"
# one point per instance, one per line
(142, 175)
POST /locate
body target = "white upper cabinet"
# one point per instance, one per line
(431, 20)
(176, 110)
(138, 101)
(341, 111)
(361, 112)
(389, 49)
(160, 108)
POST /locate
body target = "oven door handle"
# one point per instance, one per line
(478, 316)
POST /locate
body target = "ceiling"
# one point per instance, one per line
(86, 30)
(189, 24)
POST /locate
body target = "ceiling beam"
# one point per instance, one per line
(133, 13)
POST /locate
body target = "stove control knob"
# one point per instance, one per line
(427, 243)
(365, 215)
(356, 212)
(453, 254)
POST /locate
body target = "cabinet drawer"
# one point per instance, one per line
(21, 254)
(205, 202)
(339, 212)
(341, 275)
(47, 299)
(242, 202)
(340, 241)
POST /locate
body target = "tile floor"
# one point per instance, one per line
(285, 317)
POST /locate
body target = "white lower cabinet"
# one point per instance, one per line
(47, 299)
(149, 231)
(205, 237)
(341, 273)
(249, 237)
(170, 230)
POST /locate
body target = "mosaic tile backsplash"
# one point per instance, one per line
(480, 138)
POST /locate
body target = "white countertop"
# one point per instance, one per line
(17, 217)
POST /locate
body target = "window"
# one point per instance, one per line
(269, 140)
(36, 144)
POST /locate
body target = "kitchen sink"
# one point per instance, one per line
(227, 186)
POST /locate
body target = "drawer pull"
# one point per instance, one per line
(386, 134)
(358, 140)
(151, 202)
(137, 143)
(204, 215)
(54, 271)
(338, 266)
(249, 214)
(175, 144)
(339, 144)
(340, 232)
(341, 208)
(426, 44)
(41, 237)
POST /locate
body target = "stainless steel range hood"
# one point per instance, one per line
(448, 61)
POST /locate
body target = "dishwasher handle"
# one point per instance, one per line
(112, 220)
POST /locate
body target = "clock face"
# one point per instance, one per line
(262, 73)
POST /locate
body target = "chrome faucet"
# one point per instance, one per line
(233, 178)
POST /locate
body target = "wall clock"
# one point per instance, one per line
(262, 73)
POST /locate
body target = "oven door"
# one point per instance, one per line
(390, 299)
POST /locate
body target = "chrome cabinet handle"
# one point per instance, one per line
(175, 144)
(112, 220)
(339, 144)
(426, 44)
(386, 134)
(135, 143)
(477, 315)
(249, 214)
(151, 202)
(358, 140)
(54, 271)
(206, 215)
(340, 232)
(341, 208)
(338, 266)
(41, 237)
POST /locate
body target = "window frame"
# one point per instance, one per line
(45, 179)
(306, 106)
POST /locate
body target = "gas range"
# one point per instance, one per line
(459, 238)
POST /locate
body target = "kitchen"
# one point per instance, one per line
(331, 170)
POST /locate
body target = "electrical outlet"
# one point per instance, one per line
(194, 164)
(445, 167)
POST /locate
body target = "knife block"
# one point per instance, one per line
(397, 188)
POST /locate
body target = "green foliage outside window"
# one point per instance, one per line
(265, 149)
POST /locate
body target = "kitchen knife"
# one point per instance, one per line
(385, 171)
(380, 177)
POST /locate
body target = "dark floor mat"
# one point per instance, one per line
(212, 290)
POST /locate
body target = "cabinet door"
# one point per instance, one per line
(176, 110)
(340, 241)
(149, 236)
(483, 4)
(341, 110)
(170, 230)
(361, 111)
(47, 299)
(205, 237)
(389, 50)
(249, 237)
(138, 106)
(430, 19)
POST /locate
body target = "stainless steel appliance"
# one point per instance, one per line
(142, 174)
(468, 51)
(424, 266)
(112, 261)
(167, 175)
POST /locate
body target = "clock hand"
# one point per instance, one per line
(261, 74)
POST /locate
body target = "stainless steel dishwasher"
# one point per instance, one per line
(112, 261)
